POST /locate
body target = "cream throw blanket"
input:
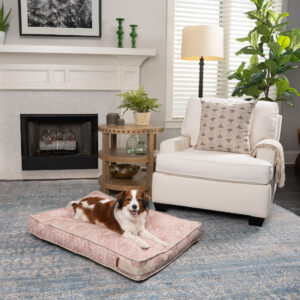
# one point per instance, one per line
(279, 158)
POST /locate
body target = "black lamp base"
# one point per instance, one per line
(201, 64)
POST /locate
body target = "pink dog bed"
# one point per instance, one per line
(111, 249)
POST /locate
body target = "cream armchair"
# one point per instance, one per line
(220, 181)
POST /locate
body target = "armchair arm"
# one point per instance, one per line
(266, 154)
(176, 144)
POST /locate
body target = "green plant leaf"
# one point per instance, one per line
(282, 16)
(234, 76)
(283, 59)
(254, 39)
(271, 65)
(245, 39)
(275, 47)
(273, 15)
(258, 3)
(297, 53)
(254, 60)
(282, 85)
(283, 41)
(241, 68)
(267, 6)
(246, 74)
(248, 50)
(255, 15)
(283, 69)
(256, 77)
(263, 30)
(253, 91)
(238, 89)
(280, 26)
(294, 35)
(4, 25)
(293, 91)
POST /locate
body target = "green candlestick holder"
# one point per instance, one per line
(120, 32)
(133, 35)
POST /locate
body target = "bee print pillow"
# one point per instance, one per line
(225, 126)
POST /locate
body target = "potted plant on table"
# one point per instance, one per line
(139, 102)
(273, 52)
(4, 25)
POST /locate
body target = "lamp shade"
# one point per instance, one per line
(202, 41)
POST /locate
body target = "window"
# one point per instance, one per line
(183, 76)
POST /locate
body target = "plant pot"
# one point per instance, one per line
(142, 118)
(2, 37)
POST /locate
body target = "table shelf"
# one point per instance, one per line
(120, 155)
(137, 182)
(111, 153)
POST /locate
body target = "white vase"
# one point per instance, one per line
(142, 118)
(2, 37)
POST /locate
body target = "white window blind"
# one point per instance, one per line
(229, 14)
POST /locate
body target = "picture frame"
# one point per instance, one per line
(66, 18)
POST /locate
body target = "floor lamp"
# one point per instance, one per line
(202, 42)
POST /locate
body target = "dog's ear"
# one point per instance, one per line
(146, 197)
(120, 199)
(146, 202)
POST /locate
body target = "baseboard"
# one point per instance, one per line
(290, 157)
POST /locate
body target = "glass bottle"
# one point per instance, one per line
(141, 148)
(132, 143)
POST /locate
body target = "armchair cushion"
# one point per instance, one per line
(214, 165)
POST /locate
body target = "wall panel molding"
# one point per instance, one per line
(70, 68)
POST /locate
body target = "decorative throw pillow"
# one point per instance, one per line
(225, 126)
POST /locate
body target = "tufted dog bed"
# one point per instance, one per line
(111, 249)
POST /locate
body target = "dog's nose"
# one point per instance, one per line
(134, 206)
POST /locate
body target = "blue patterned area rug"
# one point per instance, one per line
(232, 260)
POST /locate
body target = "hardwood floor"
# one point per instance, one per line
(289, 196)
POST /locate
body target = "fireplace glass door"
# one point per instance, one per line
(68, 141)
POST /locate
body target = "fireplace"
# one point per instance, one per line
(59, 141)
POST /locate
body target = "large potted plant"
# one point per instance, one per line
(4, 25)
(139, 102)
(273, 52)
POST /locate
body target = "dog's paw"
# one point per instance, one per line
(165, 244)
(144, 245)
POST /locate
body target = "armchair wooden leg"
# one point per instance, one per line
(161, 207)
(254, 221)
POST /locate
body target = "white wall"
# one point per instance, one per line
(149, 15)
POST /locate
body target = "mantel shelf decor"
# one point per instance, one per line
(36, 67)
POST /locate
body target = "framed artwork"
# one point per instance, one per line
(60, 17)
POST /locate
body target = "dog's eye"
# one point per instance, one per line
(128, 199)
(139, 199)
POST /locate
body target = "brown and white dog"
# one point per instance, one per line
(126, 215)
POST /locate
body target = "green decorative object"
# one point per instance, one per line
(120, 32)
(133, 35)
(141, 148)
(273, 51)
(132, 143)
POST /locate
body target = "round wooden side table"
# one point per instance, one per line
(110, 153)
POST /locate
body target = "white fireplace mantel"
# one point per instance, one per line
(32, 67)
